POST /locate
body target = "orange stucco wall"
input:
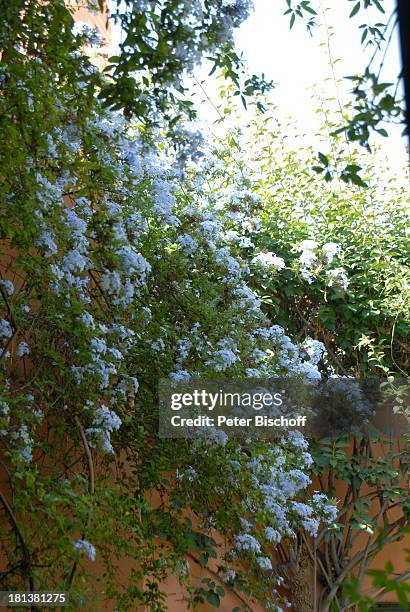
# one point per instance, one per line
(97, 19)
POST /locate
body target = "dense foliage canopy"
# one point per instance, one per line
(126, 258)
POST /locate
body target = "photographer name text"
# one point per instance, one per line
(224, 421)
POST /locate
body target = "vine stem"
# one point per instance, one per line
(314, 575)
(26, 552)
(353, 562)
(215, 575)
(89, 456)
(91, 486)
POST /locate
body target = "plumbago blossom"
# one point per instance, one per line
(105, 421)
(315, 260)
(266, 481)
(330, 249)
(23, 442)
(8, 286)
(315, 349)
(22, 349)
(269, 260)
(126, 279)
(307, 259)
(338, 278)
(6, 330)
(87, 548)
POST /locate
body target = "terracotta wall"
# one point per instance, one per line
(97, 19)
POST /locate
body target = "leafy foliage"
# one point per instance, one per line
(376, 104)
(114, 273)
(163, 41)
(362, 316)
(330, 264)
(118, 269)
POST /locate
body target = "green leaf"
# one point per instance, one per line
(357, 180)
(355, 10)
(292, 21)
(387, 102)
(203, 560)
(306, 6)
(213, 599)
(382, 132)
(310, 10)
(379, 6)
(323, 158)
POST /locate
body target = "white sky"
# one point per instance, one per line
(294, 59)
(299, 63)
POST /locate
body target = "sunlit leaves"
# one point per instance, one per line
(303, 10)
(161, 44)
(365, 4)
(371, 108)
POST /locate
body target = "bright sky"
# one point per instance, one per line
(299, 63)
(295, 59)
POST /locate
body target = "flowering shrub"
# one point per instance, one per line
(327, 260)
(115, 273)
(120, 266)
(342, 288)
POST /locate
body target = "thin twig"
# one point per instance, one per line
(215, 574)
(88, 453)
(26, 552)
(91, 487)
